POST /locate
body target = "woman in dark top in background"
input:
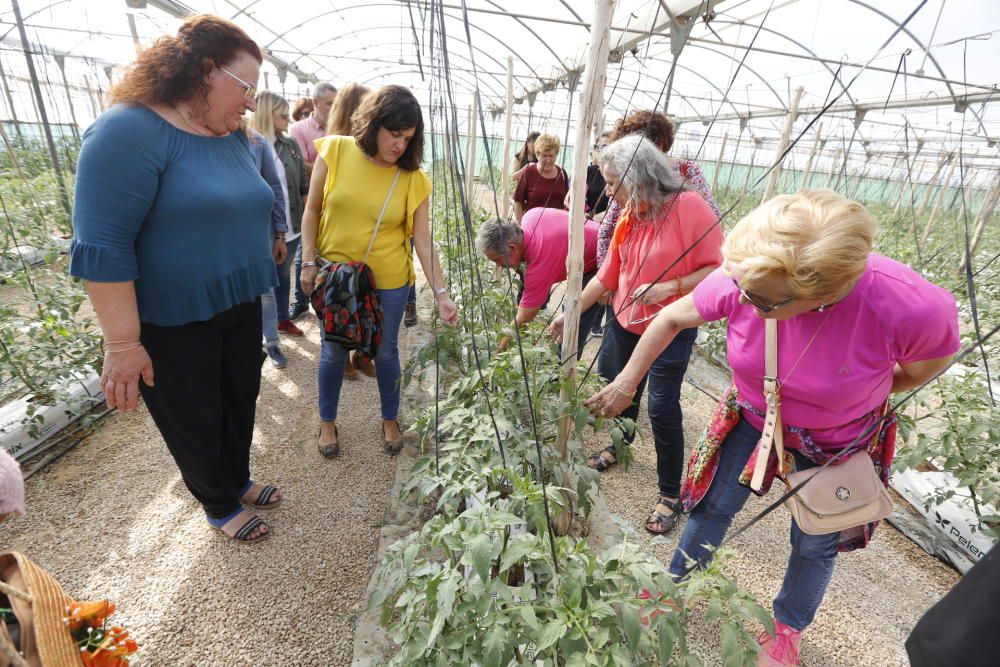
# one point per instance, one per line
(168, 237)
(525, 156)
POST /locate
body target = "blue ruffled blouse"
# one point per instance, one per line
(186, 217)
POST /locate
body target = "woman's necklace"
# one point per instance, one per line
(783, 380)
(201, 133)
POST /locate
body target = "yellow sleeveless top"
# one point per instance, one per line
(353, 195)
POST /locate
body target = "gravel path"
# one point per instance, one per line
(112, 519)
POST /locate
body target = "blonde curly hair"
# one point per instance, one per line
(817, 241)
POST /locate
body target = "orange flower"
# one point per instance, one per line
(89, 613)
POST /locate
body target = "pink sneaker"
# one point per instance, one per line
(781, 650)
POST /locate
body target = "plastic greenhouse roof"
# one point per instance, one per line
(739, 64)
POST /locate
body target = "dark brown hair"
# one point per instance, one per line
(347, 102)
(393, 108)
(174, 69)
(522, 155)
(302, 108)
(653, 125)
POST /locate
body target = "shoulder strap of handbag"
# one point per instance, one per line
(772, 433)
(378, 223)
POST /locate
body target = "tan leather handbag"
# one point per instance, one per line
(834, 497)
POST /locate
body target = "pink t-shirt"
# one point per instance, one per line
(652, 246)
(893, 315)
(546, 246)
(306, 131)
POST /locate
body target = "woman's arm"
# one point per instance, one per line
(653, 293)
(612, 399)
(310, 224)
(124, 359)
(911, 376)
(429, 262)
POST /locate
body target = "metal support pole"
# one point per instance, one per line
(43, 116)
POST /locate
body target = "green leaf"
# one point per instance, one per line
(517, 550)
(498, 648)
(551, 634)
(480, 552)
(632, 625)
(528, 614)
(732, 654)
(665, 640)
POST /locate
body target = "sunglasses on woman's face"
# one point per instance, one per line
(757, 303)
(249, 92)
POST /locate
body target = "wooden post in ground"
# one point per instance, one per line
(931, 183)
(942, 191)
(470, 151)
(786, 133)
(908, 191)
(718, 161)
(591, 98)
(833, 167)
(817, 145)
(508, 118)
(989, 203)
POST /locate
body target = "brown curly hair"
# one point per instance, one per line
(174, 69)
(302, 108)
(394, 108)
(653, 125)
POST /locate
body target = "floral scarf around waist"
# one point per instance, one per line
(704, 459)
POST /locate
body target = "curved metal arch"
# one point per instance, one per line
(801, 46)
(28, 16)
(930, 57)
(284, 34)
(380, 70)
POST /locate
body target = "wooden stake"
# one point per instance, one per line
(470, 150)
(931, 183)
(989, 203)
(817, 144)
(591, 98)
(508, 118)
(833, 167)
(786, 133)
(718, 162)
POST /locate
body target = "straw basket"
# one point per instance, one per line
(39, 603)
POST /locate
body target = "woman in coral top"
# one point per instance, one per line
(665, 244)
(351, 180)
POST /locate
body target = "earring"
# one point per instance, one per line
(821, 307)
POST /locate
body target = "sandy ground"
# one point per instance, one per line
(112, 519)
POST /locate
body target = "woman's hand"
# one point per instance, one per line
(280, 251)
(556, 328)
(653, 293)
(308, 279)
(447, 309)
(610, 401)
(120, 379)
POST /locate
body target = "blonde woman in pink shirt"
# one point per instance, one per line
(853, 327)
(666, 242)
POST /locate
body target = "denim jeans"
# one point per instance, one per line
(810, 565)
(411, 297)
(301, 298)
(665, 377)
(387, 371)
(281, 292)
(269, 317)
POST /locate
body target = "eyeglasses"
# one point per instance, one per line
(249, 92)
(756, 303)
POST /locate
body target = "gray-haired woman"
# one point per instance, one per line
(666, 242)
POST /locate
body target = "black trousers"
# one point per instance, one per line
(206, 378)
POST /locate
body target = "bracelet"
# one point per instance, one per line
(614, 386)
(307, 264)
(120, 342)
(439, 291)
(127, 349)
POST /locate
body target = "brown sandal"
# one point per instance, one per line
(331, 449)
(392, 447)
(599, 462)
(366, 366)
(663, 523)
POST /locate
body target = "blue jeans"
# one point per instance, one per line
(269, 317)
(665, 377)
(387, 371)
(411, 296)
(284, 280)
(301, 298)
(813, 556)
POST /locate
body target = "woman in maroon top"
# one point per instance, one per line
(543, 184)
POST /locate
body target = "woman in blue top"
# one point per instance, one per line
(169, 227)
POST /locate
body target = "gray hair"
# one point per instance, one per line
(322, 88)
(643, 170)
(494, 235)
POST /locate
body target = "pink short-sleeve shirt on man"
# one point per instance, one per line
(893, 315)
(306, 132)
(546, 246)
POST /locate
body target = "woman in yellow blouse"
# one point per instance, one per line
(350, 182)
